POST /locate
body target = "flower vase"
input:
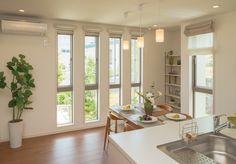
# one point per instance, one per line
(148, 108)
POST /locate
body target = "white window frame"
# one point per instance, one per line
(66, 88)
(139, 84)
(116, 86)
(91, 87)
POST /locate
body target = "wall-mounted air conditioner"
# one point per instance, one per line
(22, 27)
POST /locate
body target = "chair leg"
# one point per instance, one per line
(116, 126)
(106, 132)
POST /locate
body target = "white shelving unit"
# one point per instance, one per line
(173, 81)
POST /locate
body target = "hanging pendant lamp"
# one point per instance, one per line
(140, 39)
(125, 39)
(160, 35)
(160, 32)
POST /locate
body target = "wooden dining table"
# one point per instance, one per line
(132, 116)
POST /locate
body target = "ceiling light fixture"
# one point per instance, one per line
(215, 6)
(160, 32)
(125, 39)
(21, 10)
(140, 39)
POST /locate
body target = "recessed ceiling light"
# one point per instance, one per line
(21, 10)
(215, 6)
(154, 25)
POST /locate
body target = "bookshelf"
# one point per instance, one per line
(173, 80)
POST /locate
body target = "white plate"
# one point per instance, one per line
(154, 119)
(123, 109)
(171, 116)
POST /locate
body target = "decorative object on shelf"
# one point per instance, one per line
(149, 99)
(140, 39)
(21, 90)
(178, 62)
(170, 57)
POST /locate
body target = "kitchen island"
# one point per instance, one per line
(140, 146)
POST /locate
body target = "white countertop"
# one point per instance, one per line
(140, 146)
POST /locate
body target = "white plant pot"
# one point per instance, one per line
(15, 134)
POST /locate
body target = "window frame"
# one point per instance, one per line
(115, 86)
(91, 87)
(196, 88)
(66, 88)
(139, 85)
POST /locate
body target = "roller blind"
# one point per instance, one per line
(115, 33)
(92, 31)
(135, 34)
(200, 44)
(199, 28)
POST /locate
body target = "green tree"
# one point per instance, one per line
(60, 73)
(90, 96)
(90, 68)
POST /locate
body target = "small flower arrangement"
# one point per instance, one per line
(149, 99)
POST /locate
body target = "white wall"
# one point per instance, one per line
(225, 63)
(154, 58)
(224, 66)
(42, 120)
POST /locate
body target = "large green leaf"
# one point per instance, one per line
(14, 72)
(21, 56)
(2, 80)
(12, 103)
(13, 86)
(27, 93)
(14, 60)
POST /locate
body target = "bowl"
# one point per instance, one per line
(232, 119)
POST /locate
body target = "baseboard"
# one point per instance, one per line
(58, 131)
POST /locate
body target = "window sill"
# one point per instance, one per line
(65, 125)
(92, 121)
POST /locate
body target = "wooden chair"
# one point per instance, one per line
(166, 107)
(111, 117)
(129, 126)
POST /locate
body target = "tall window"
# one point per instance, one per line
(91, 78)
(201, 47)
(64, 79)
(136, 66)
(114, 70)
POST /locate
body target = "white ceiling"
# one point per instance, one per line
(172, 12)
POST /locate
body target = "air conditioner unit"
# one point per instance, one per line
(21, 27)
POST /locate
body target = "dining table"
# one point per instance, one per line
(133, 115)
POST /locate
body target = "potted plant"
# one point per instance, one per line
(149, 99)
(21, 90)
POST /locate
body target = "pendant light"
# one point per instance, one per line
(125, 39)
(159, 31)
(140, 39)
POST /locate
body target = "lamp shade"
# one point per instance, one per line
(140, 41)
(125, 44)
(160, 35)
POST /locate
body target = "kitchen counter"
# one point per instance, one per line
(140, 146)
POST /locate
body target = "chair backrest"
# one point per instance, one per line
(130, 126)
(166, 107)
(113, 116)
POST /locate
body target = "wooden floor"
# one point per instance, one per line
(80, 147)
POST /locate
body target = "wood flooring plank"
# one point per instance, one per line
(79, 147)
